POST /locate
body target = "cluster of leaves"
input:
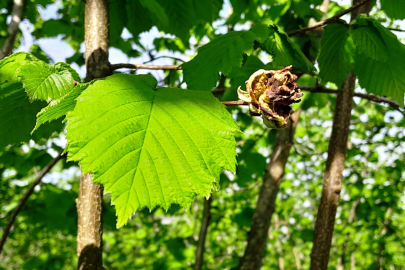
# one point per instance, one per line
(373, 51)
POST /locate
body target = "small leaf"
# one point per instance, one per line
(10, 66)
(284, 51)
(148, 146)
(220, 55)
(45, 82)
(60, 107)
(335, 58)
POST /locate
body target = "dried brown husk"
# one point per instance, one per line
(270, 94)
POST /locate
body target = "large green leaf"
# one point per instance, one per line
(382, 74)
(60, 107)
(149, 146)
(46, 82)
(284, 51)
(220, 55)
(335, 58)
(395, 9)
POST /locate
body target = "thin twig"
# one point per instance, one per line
(377, 99)
(327, 21)
(234, 103)
(164, 56)
(16, 17)
(24, 199)
(205, 222)
(395, 29)
(145, 66)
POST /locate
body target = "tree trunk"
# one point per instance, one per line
(199, 255)
(257, 238)
(89, 202)
(12, 30)
(332, 182)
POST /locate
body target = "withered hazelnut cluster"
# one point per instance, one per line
(270, 94)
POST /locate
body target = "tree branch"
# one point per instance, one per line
(24, 199)
(199, 255)
(16, 17)
(145, 66)
(377, 99)
(315, 89)
(327, 21)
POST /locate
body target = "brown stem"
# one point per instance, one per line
(24, 199)
(16, 17)
(257, 237)
(145, 66)
(234, 103)
(332, 181)
(330, 20)
(89, 202)
(199, 255)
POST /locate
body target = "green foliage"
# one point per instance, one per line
(148, 146)
(395, 9)
(17, 112)
(60, 107)
(382, 74)
(284, 51)
(46, 82)
(220, 55)
(238, 76)
(335, 58)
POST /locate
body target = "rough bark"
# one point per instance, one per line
(332, 182)
(199, 255)
(257, 238)
(16, 17)
(89, 202)
(96, 39)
